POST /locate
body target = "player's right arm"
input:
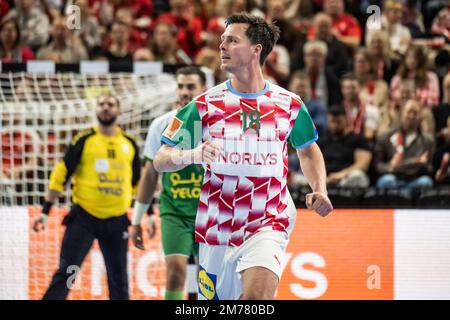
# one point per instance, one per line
(146, 190)
(60, 176)
(170, 159)
(181, 142)
(147, 186)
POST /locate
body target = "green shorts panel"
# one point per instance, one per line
(177, 234)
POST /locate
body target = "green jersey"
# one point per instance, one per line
(181, 189)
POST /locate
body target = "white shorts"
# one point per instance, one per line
(219, 275)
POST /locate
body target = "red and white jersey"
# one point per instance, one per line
(244, 191)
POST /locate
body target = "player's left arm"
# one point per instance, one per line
(303, 137)
(313, 167)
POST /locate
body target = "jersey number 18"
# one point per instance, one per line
(251, 120)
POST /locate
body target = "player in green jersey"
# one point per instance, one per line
(180, 193)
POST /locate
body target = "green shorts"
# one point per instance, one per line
(177, 234)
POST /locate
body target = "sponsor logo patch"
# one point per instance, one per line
(207, 284)
(173, 128)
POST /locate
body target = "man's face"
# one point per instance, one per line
(236, 51)
(322, 24)
(337, 125)
(411, 60)
(361, 65)
(314, 58)
(350, 90)
(411, 115)
(334, 7)
(107, 110)
(59, 30)
(377, 45)
(395, 13)
(301, 87)
(120, 33)
(163, 37)
(8, 34)
(188, 87)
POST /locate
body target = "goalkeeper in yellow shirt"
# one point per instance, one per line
(105, 165)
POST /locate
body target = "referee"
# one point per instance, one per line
(105, 165)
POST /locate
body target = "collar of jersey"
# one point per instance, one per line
(248, 95)
(118, 131)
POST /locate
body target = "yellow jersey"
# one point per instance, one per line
(104, 168)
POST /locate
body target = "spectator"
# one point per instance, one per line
(390, 115)
(10, 48)
(298, 10)
(225, 8)
(373, 91)
(414, 67)
(51, 8)
(106, 10)
(33, 23)
(118, 50)
(441, 159)
(64, 47)
(138, 36)
(386, 64)
(403, 156)
(164, 45)
(141, 10)
(391, 22)
(362, 118)
(430, 10)
(345, 27)
(441, 113)
(347, 155)
(412, 18)
(337, 57)
(189, 27)
(88, 32)
(322, 79)
(278, 62)
(300, 85)
(206, 10)
(209, 55)
(441, 23)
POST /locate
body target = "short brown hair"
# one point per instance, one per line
(258, 32)
(192, 70)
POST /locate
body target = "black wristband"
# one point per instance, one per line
(46, 207)
(150, 211)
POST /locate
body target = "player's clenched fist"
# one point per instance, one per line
(319, 202)
(207, 152)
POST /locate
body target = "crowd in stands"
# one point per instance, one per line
(377, 87)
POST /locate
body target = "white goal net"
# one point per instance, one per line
(39, 115)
